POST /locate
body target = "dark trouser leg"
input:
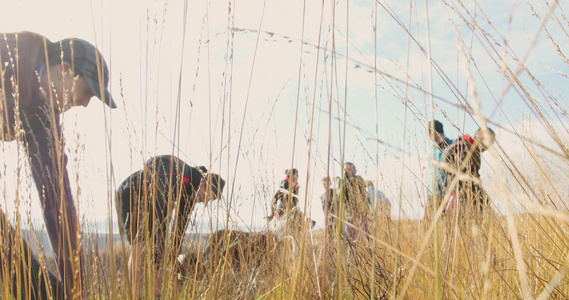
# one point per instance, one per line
(481, 198)
(21, 270)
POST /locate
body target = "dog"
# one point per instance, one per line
(242, 254)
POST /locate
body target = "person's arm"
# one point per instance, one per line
(49, 170)
(7, 119)
(453, 155)
(323, 199)
(7, 113)
(189, 183)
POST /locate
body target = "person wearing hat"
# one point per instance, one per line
(145, 201)
(357, 211)
(464, 158)
(437, 135)
(286, 196)
(40, 80)
(329, 204)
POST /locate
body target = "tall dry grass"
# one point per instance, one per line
(500, 255)
(478, 259)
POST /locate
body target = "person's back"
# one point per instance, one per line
(329, 201)
(357, 208)
(356, 199)
(464, 158)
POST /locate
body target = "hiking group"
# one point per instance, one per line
(456, 172)
(41, 79)
(353, 200)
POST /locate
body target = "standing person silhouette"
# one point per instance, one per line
(358, 211)
(287, 195)
(464, 157)
(437, 135)
(329, 203)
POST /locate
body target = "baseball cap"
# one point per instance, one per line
(216, 183)
(88, 63)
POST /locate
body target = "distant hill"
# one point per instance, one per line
(93, 239)
(90, 240)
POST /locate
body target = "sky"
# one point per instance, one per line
(251, 88)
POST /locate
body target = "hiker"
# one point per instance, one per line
(146, 198)
(463, 156)
(378, 201)
(437, 135)
(329, 203)
(40, 80)
(287, 195)
(357, 206)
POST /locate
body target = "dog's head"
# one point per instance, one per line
(295, 220)
(285, 201)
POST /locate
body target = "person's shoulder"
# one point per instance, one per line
(452, 147)
(461, 144)
(160, 158)
(19, 36)
(463, 140)
(360, 181)
(28, 44)
(195, 171)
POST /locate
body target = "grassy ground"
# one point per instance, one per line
(492, 258)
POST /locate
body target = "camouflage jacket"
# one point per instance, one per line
(356, 199)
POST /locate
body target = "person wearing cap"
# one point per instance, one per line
(357, 212)
(40, 80)
(286, 196)
(329, 204)
(437, 135)
(145, 201)
(464, 158)
(378, 201)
